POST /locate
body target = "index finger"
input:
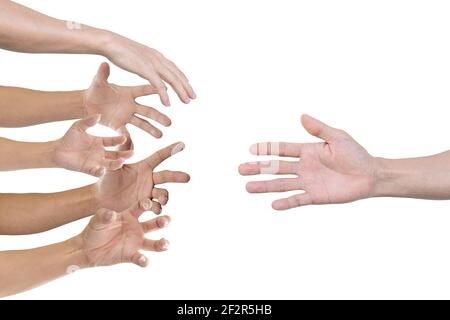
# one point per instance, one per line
(157, 158)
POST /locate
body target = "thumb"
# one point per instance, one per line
(88, 122)
(102, 218)
(103, 73)
(319, 129)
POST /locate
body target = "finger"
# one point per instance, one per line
(146, 126)
(103, 218)
(139, 259)
(128, 145)
(141, 91)
(184, 80)
(170, 177)
(156, 224)
(156, 208)
(150, 205)
(103, 73)
(97, 171)
(159, 86)
(112, 165)
(157, 158)
(174, 82)
(116, 155)
(281, 149)
(88, 122)
(268, 167)
(162, 195)
(277, 185)
(153, 114)
(299, 200)
(157, 246)
(319, 129)
(146, 204)
(113, 141)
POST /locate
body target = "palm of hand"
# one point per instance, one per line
(114, 243)
(119, 189)
(79, 151)
(338, 170)
(116, 104)
(335, 173)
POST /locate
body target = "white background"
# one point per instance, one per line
(378, 69)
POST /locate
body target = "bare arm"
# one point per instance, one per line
(26, 269)
(76, 151)
(25, 30)
(110, 238)
(116, 190)
(23, 107)
(424, 178)
(339, 170)
(33, 213)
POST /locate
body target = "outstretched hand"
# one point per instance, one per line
(79, 151)
(120, 189)
(112, 237)
(151, 65)
(117, 104)
(338, 170)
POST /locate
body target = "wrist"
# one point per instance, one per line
(108, 44)
(94, 41)
(76, 257)
(45, 153)
(385, 176)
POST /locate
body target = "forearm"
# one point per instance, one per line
(25, 30)
(33, 213)
(15, 155)
(27, 269)
(424, 178)
(23, 107)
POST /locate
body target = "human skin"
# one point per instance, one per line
(25, 30)
(116, 190)
(110, 238)
(115, 104)
(75, 151)
(339, 170)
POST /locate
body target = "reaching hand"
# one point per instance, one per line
(150, 65)
(112, 238)
(338, 170)
(118, 190)
(117, 105)
(79, 151)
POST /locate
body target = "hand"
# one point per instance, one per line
(117, 105)
(112, 238)
(150, 65)
(79, 151)
(120, 189)
(338, 170)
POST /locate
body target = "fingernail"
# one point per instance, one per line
(142, 260)
(166, 244)
(166, 223)
(178, 148)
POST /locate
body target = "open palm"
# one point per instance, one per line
(117, 104)
(119, 189)
(79, 151)
(112, 238)
(338, 170)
